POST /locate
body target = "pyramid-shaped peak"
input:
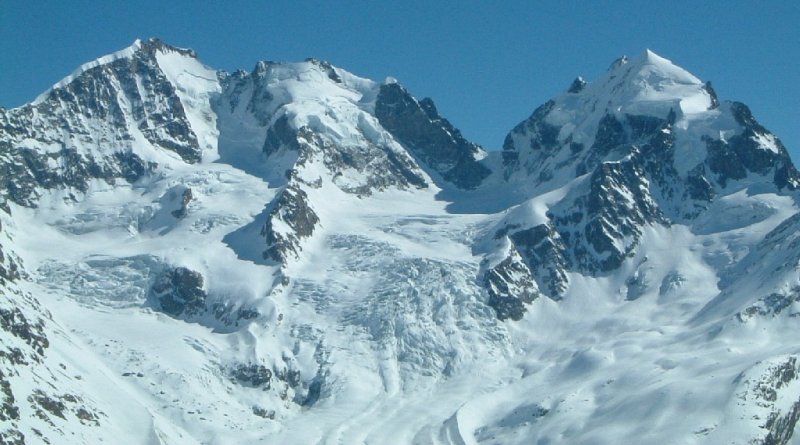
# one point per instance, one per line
(652, 57)
(140, 46)
(653, 68)
(146, 49)
(648, 56)
(647, 84)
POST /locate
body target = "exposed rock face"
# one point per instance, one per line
(772, 305)
(540, 136)
(577, 85)
(23, 170)
(290, 220)
(380, 167)
(86, 127)
(601, 227)
(108, 105)
(597, 226)
(185, 199)
(543, 250)
(633, 164)
(179, 292)
(284, 380)
(753, 151)
(360, 162)
(430, 137)
(510, 285)
(9, 263)
(280, 135)
(24, 341)
(15, 323)
(253, 374)
(713, 94)
(28, 379)
(767, 397)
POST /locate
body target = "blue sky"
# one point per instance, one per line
(486, 64)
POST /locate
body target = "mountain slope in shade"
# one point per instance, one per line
(296, 254)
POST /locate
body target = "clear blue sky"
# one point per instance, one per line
(486, 64)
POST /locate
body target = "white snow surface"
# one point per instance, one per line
(382, 306)
(196, 85)
(646, 85)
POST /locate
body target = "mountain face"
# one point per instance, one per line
(295, 254)
(647, 145)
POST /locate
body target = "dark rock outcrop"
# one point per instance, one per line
(105, 104)
(577, 85)
(755, 150)
(362, 165)
(23, 172)
(771, 305)
(290, 209)
(280, 135)
(329, 70)
(179, 292)
(542, 140)
(536, 265)
(186, 198)
(543, 251)
(510, 286)
(8, 408)
(264, 412)
(104, 107)
(602, 227)
(781, 427)
(764, 391)
(14, 322)
(713, 94)
(430, 137)
(252, 374)
(632, 181)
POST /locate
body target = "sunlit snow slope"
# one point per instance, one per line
(295, 254)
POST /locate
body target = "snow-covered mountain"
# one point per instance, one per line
(299, 255)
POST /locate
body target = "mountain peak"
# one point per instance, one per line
(155, 44)
(646, 101)
(147, 48)
(649, 84)
(651, 56)
(651, 68)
